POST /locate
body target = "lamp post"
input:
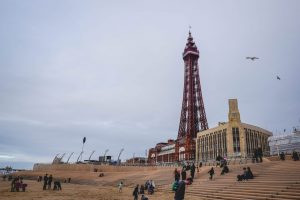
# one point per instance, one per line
(277, 146)
(104, 160)
(119, 162)
(91, 154)
(133, 158)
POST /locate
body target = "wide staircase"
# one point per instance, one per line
(272, 180)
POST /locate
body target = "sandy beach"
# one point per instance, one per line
(88, 185)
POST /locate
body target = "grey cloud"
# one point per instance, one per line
(113, 72)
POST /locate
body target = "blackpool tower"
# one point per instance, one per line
(193, 117)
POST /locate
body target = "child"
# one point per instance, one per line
(120, 186)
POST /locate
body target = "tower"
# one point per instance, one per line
(193, 117)
(234, 114)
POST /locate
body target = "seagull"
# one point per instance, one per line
(252, 58)
(278, 77)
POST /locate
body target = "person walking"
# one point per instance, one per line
(142, 189)
(260, 154)
(180, 192)
(136, 192)
(193, 168)
(295, 155)
(176, 175)
(183, 174)
(120, 186)
(211, 173)
(282, 156)
(45, 182)
(50, 181)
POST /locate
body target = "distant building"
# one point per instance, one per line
(137, 160)
(232, 138)
(163, 152)
(285, 143)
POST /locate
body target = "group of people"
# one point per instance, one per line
(257, 155)
(9, 177)
(183, 173)
(141, 190)
(247, 174)
(48, 183)
(295, 155)
(149, 186)
(211, 172)
(17, 185)
(179, 185)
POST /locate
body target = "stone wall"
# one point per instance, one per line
(92, 168)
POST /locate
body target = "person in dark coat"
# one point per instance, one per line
(142, 189)
(211, 173)
(57, 185)
(282, 156)
(45, 182)
(260, 154)
(188, 167)
(200, 165)
(179, 194)
(13, 185)
(218, 159)
(135, 192)
(295, 156)
(143, 197)
(50, 181)
(225, 170)
(193, 168)
(249, 173)
(183, 174)
(176, 175)
(242, 176)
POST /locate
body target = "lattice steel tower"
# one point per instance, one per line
(193, 117)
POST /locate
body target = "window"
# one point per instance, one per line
(236, 140)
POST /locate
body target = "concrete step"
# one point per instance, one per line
(283, 196)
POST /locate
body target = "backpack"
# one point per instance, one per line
(174, 186)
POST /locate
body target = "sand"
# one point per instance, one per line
(88, 185)
(73, 191)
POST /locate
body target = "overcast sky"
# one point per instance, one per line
(113, 72)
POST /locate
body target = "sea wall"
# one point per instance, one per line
(92, 168)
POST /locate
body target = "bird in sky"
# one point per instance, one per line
(252, 58)
(278, 78)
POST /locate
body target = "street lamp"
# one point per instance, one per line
(277, 146)
(105, 155)
(133, 158)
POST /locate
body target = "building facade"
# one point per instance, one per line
(231, 139)
(162, 153)
(285, 143)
